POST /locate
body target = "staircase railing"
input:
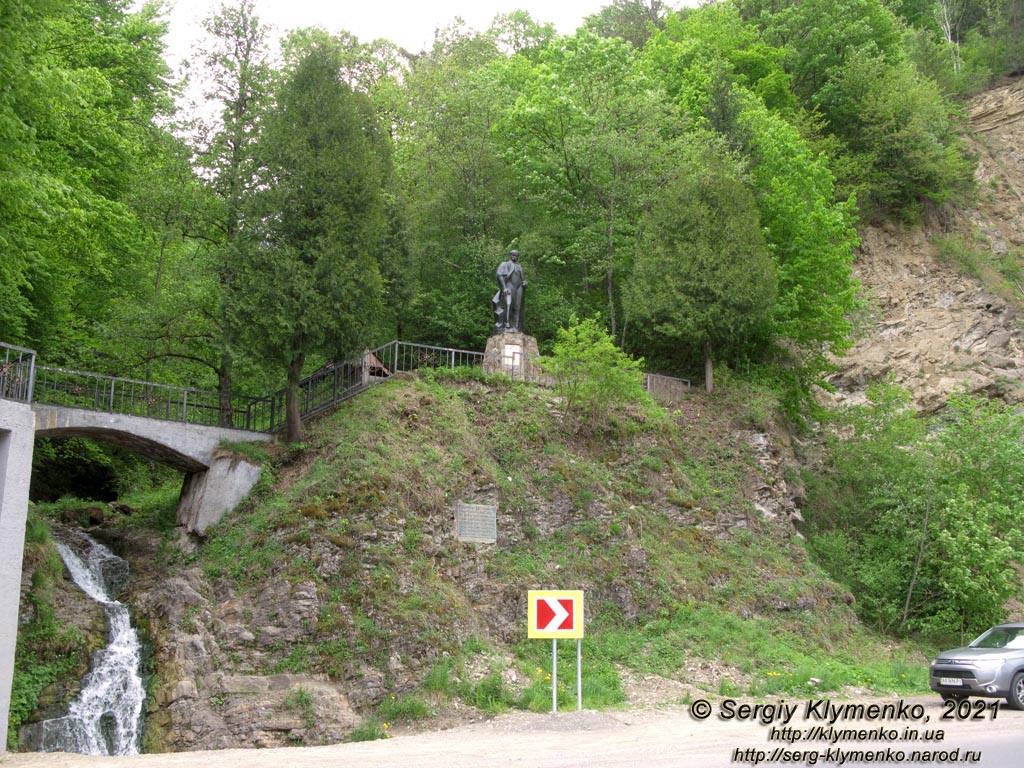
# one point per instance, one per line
(337, 382)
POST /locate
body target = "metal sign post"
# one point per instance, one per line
(554, 676)
(558, 614)
(579, 675)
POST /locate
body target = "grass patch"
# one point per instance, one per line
(404, 709)
(300, 701)
(371, 730)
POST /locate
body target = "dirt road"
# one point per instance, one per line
(657, 737)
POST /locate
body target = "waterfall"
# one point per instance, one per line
(104, 718)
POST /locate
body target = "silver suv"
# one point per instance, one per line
(992, 666)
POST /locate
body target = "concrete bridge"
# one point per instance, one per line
(215, 479)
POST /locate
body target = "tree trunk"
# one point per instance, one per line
(709, 371)
(224, 389)
(917, 563)
(293, 420)
(610, 273)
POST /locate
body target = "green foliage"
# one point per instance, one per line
(306, 276)
(848, 63)
(631, 20)
(903, 138)
(370, 730)
(394, 710)
(300, 701)
(719, 71)
(82, 86)
(593, 375)
(455, 192)
(705, 283)
(591, 138)
(923, 520)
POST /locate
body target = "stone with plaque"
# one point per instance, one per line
(513, 354)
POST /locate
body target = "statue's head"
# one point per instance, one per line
(514, 255)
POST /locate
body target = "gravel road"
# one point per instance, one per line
(651, 737)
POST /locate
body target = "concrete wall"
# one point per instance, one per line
(17, 426)
(207, 496)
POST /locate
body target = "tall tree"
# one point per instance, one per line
(704, 281)
(82, 82)
(898, 144)
(592, 138)
(726, 78)
(237, 74)
(305, 267)
(454, 186)
(631, 20)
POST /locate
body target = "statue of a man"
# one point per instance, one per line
(508, 301)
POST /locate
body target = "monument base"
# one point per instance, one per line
(513, 354)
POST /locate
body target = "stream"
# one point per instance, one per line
(105, 717)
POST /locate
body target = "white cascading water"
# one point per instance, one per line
(104, 718)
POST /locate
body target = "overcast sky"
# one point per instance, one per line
(409, 24)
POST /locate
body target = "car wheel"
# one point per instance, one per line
(1015, 698)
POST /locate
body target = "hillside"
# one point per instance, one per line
(338, 599)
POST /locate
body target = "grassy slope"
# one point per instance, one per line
(649, 520)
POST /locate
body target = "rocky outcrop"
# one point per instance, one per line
(930, 324)
(210, 650)
(931, 329)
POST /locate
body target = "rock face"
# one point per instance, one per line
(197, 635)
(934, 331)
(930, 327)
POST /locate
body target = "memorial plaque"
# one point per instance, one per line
(476, 523)
(512, 359)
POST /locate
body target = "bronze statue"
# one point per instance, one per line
(508, 301)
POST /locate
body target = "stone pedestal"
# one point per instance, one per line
(513, 354)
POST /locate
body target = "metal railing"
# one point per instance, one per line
(17, 373)
(129, 397)
(336, 382)
(21, 379)
(403, 357)
(665, 387)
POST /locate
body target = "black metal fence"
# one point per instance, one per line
(17, 373)
(336, 382)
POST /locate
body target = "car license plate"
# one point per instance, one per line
(950, 681)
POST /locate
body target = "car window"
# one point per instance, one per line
(1017, 641)
(998, 638)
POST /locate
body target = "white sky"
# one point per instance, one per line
(409, 24)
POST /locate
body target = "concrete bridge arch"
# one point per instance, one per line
(215, 480)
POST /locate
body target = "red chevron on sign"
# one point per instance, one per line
(555, 614)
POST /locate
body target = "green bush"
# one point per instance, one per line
(594, 376)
